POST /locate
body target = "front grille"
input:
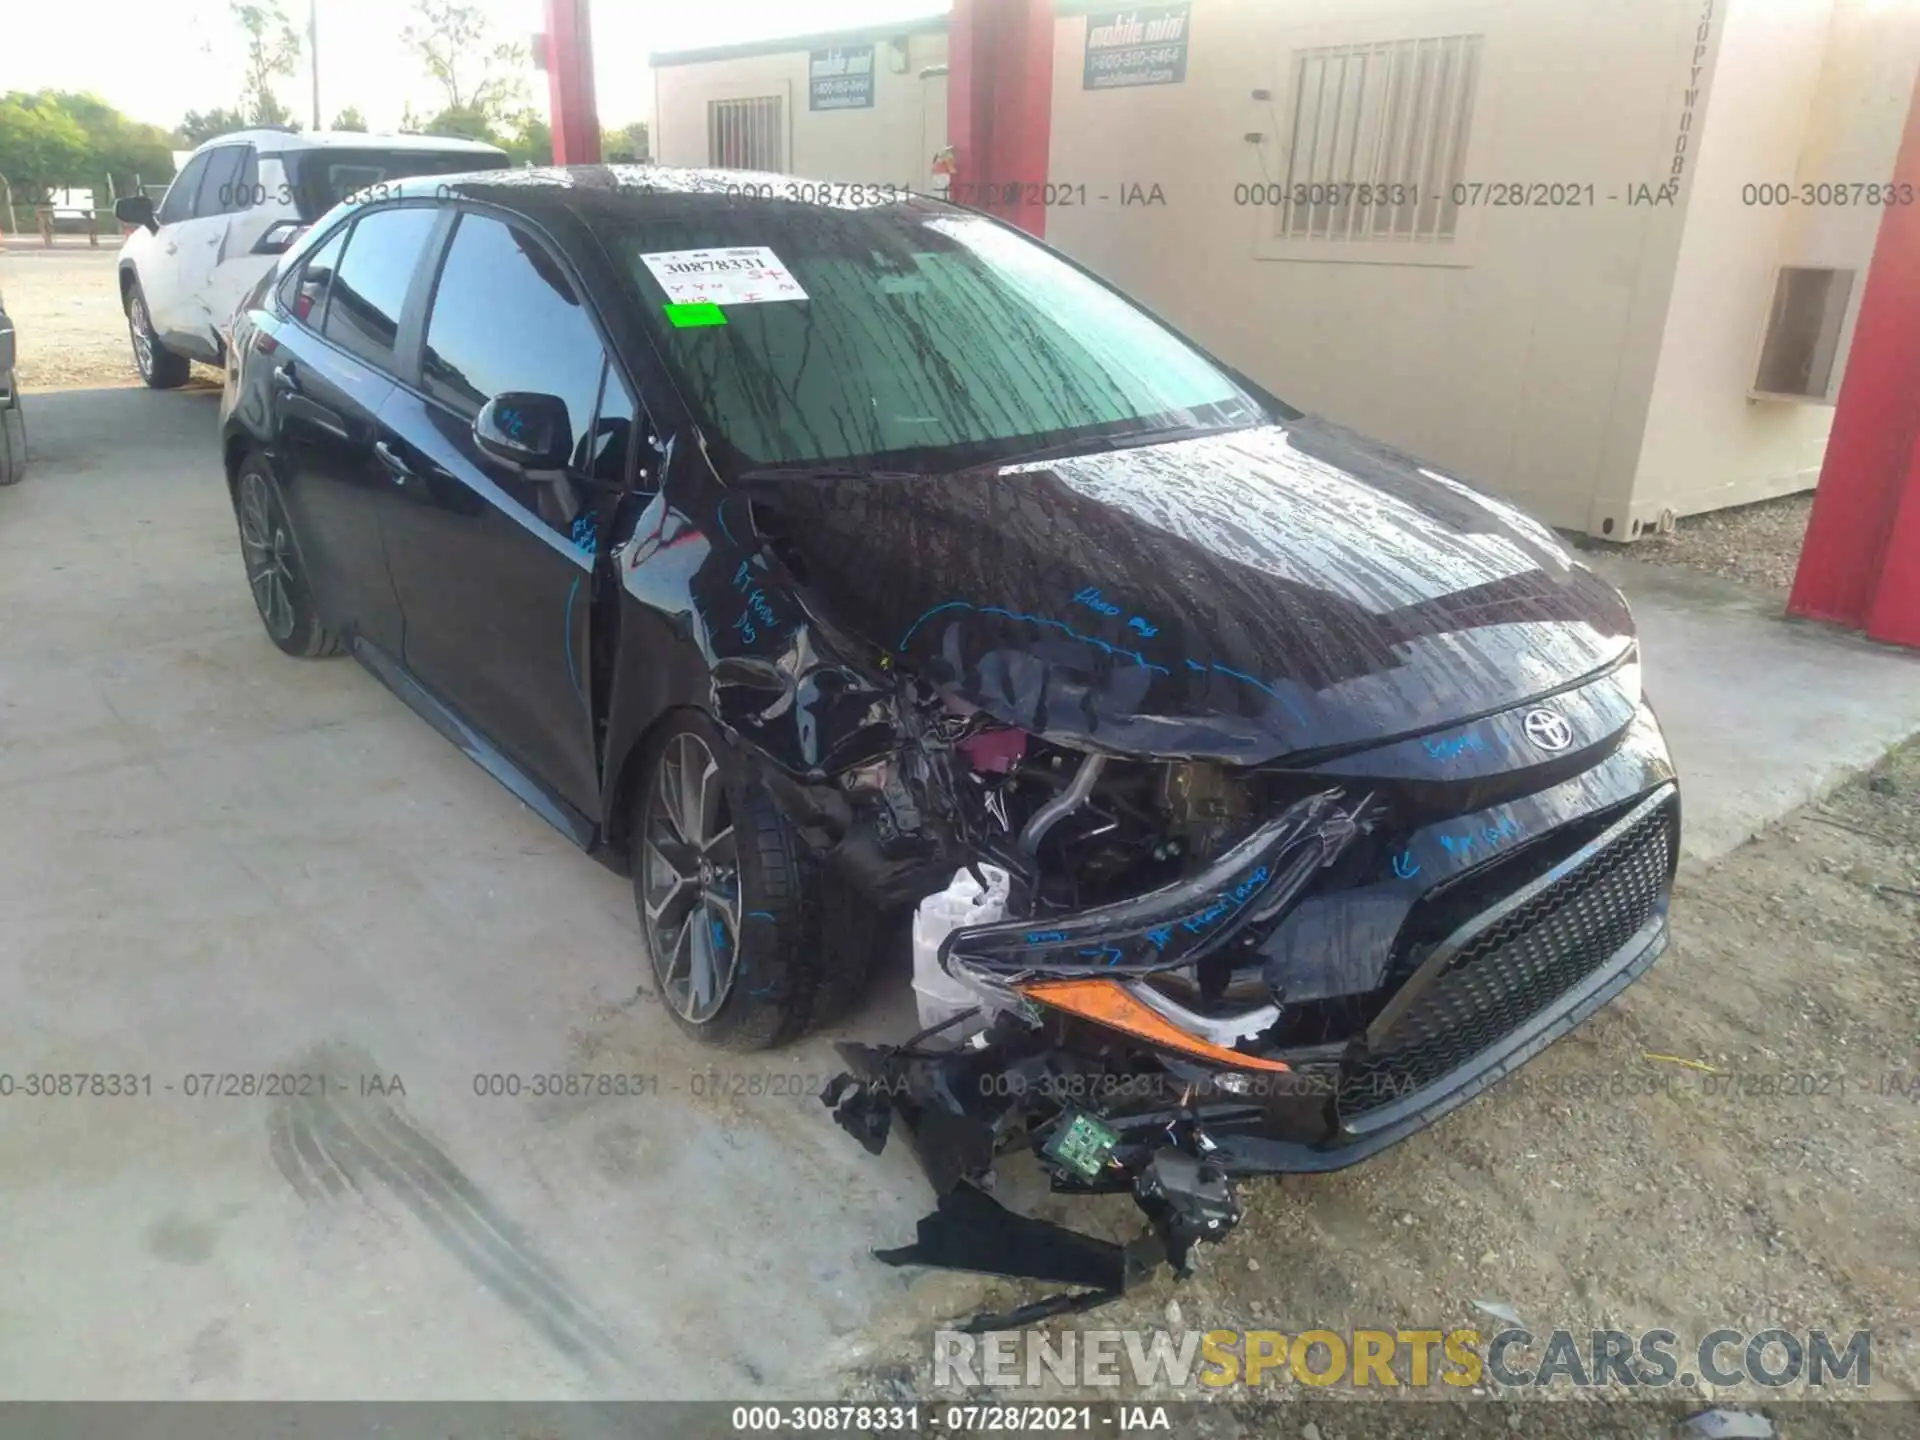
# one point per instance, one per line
(1490, 981)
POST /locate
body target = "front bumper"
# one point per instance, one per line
(1458, 1016)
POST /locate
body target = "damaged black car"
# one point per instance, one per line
(865, 576)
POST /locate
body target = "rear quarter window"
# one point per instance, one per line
(322, 178)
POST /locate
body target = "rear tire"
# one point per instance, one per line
(158, 366)
(727, 894)
(274, 572)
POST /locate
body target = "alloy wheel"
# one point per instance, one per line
(268, 551)
(690, 880)
(142, 336)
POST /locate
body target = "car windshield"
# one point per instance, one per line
(913, 336)
(325, 175)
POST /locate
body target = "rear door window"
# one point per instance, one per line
(369, 284)
(324, 176)
(178, 205)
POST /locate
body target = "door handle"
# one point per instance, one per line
(173, 248)
(396, 467)
(284, 380)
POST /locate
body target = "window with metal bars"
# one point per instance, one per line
(1379, 140)
(745, 134)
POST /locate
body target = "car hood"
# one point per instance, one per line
(1242, 596)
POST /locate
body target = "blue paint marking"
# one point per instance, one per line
(721, 515)
(1112, 955)
(573, 675)
(1158, 938)
(719, 937)
(1449, 747)
(1042, 937)
(1095, 601)
(1486, 837)
(1228, 904)
(1292, 709)
(759, 915)
(1405, 866)
(1136, 623)
(586, 531)
(1093, 640)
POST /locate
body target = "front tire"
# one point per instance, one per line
(158, 366)
(274, 572)
(727, 894)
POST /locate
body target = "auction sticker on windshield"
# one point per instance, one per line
(738, 275)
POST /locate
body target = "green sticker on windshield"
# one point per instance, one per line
(684, 317)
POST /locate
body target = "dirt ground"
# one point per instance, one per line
(1756, 544)
(1618, 1183)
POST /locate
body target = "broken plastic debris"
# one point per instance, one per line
(1499, 1310)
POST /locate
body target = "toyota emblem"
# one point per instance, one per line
(1548, 729)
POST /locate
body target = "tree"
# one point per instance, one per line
(461, 122)
(42, 147)
(120, 150)
(530, 140)
(454, 41)
(626, 147)
(273, 49)
(350, 119)
(200, 127)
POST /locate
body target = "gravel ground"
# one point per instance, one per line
(1756, 544)
(1616, 1182)
(65, 304)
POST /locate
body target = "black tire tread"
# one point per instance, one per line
(776, 862)
(168, 371)
(311, 639)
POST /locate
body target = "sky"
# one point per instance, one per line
(156, 62)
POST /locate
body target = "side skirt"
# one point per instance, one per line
(570, 822)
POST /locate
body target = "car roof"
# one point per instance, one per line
(614, 192)
(280, 142)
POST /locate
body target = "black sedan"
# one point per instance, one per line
(798, 555)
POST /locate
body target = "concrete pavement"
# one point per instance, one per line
(214, 862)
(217, 862)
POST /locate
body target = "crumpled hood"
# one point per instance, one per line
(1238, 597)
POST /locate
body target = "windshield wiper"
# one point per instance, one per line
(1105, 444)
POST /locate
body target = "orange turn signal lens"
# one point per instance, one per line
(1106, 1002)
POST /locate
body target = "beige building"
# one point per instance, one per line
(1600, 258)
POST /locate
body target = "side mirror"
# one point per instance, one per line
(526, 430)
(278, 237)
(135, 210)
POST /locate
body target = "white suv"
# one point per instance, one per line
(235, 206)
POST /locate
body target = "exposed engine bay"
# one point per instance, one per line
(1129, 1011)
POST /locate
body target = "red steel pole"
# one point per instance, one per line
(574, 119)
(1000, 106)
(1860, 565)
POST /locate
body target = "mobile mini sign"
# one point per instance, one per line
(1143, 46)
(840, 79)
